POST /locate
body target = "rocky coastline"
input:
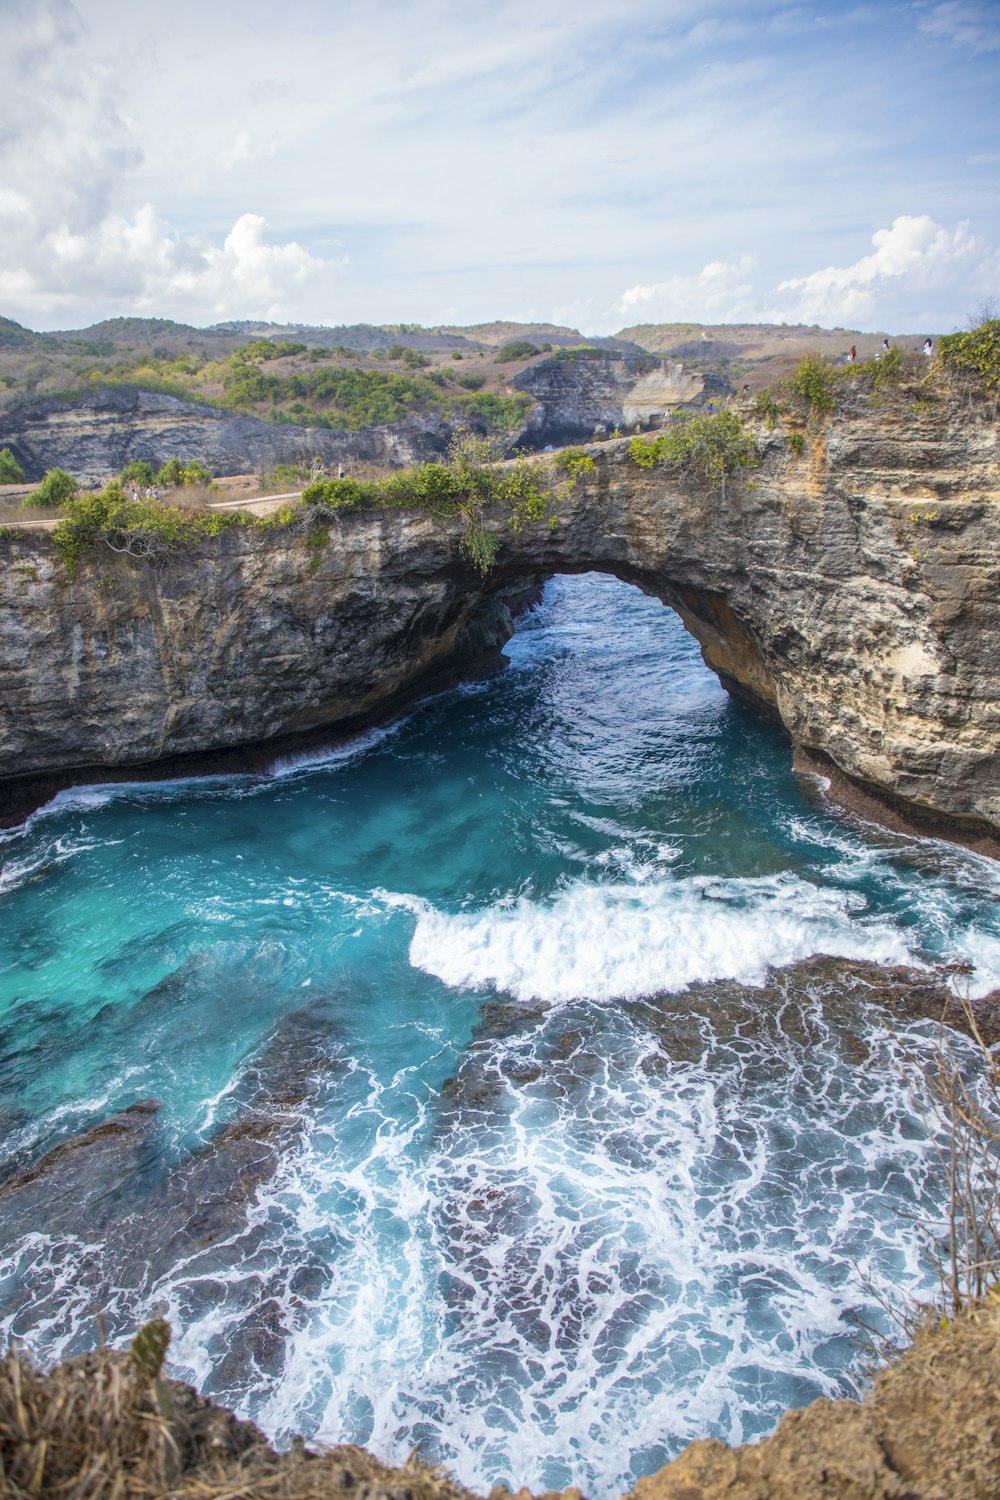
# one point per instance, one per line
(847, 587)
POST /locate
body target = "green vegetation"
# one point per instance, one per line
(138, 473)
(411, 358)
(711, 448)
(516, 349)
(10, 470)
(473, 481)
(767, 408)
(575, 464)
(56, 489)
(797, 442)
(174, 474)
(144, 529)
(267, 349)
(974, 354)
(813, 382)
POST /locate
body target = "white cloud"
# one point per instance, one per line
(720, 292)
(916, 255)
(70, 241)
(971, 26)
(915, 265)
(248, 147)
(138, 265)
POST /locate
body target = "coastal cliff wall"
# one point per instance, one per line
(97, 434)
(851, 590)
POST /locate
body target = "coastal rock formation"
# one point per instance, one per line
(849, 589)
(96, 435)
(576, 391)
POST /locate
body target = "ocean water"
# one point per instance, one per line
(496, 1113)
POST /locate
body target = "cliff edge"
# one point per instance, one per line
(102, 1425)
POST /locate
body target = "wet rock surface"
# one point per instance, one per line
(113, 1189)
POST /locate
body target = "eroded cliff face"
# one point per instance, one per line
(851, 591)
(96, 435)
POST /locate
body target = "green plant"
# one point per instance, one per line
(141, 529)
(575, 464)
(479, 545)
(974, 354)
(813, 382)
(767, 409)
(712, 448)
(56, 488)
(515, 349)
(646, 453)
(173, 474)
(10, 470)
(138, 472)
(797, 442)
(316, 542)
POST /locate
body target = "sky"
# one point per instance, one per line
(453, 161)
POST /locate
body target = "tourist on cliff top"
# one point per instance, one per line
(852, 356)
(884, 350)
(928, 348)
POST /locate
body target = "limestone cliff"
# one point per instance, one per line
(850, 590)
(95, 435)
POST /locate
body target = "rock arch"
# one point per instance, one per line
(850, 592)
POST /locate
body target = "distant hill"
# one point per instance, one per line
(353, 377)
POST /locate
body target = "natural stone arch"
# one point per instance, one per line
(852, 593)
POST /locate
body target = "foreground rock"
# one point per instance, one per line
(101, 1425)
(852, 592)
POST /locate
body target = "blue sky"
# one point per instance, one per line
(436, 161)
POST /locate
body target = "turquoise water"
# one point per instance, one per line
(559, 1186)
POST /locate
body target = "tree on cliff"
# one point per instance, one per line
(10, 470)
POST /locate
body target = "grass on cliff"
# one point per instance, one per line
(472, 483)
(108, 1426)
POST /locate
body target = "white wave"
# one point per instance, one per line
(336, 755)
(604, 941)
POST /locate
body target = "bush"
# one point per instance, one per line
(141, 529)
(500, 412)
(813, 381)
(57, 488)
(712, 448)
(766, 408)
(516, 349)
(974, 354)
(138, 473)
(574, 463)
(174, 473)
(10, 470)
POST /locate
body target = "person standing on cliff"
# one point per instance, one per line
(341, 471)
(884, 350)
(928, 348)
(852, 356)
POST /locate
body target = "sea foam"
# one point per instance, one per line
(624, 940)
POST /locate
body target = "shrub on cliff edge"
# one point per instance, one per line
(974, 353)
(10, 470)
(57, 488)
(711, 448)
